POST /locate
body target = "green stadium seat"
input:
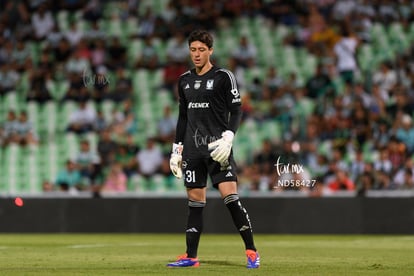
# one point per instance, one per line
(114, 27)
(51, 161)
(135, 49)
(33, 114)
(49, 115)
(62, 19)
(11, 101)
(12, 157)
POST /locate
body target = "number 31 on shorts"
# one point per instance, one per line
(190, 176)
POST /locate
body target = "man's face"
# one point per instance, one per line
(200, 53)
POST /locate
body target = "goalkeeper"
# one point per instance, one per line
(209, 115)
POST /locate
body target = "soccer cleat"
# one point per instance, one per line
(183, 261)
(253, 259)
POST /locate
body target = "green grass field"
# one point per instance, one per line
(147, 254)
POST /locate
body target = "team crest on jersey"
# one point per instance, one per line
(197, 84)
(209, 85)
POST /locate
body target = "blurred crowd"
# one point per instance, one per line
(348, 128)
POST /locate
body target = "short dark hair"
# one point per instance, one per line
(202, 36)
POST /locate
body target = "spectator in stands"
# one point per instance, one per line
(166, 126)
(171, 72)
(130, 144)
(381, 133)
(149, 57)
(404, 177)
(360, 124)
(400, 103)
(146, 23)
(162, 29)
(387, 11)
(46, 63)
(107, 147)
(397, 153)
(24, 131)
(182, 22)
(100, 123)
(385, 77)
(318, 83)
(98, 54)
(115, 180)
(357, 166)
(123, 124)
(123, 87)
(92, 11)
(127, 159)
(82, 119)
(245, 54)
(42, 22)
(9, 127)
(63, 51)
(20, 54)
(69, 177)
(346, 54)
(177, 49)
(272, 81)
(383, 163)
(300, 34)
(342, 9)
(100, 83)
(76, 84)
(54, 37)
(95, 33)
(73, 34)
(405, 133)
(77, 64)
(262, 168)
(89, 164)
(342, 182)
(8, 78)
(207, 20)
(168, 14)
(116, 54)
(14, 12)
(38, 91)
(149, 159)
(322, 37)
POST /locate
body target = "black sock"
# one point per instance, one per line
(241, 220)
(194, 227)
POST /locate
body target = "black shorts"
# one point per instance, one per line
(195, 172)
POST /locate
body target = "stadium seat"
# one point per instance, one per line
(134, 49)
(62, 19)
(11, 101)
(12, 156)
(52, 162)
(50, 114)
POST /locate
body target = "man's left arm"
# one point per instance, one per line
(221, 148)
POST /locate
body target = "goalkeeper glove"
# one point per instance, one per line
(176, 160)
(221, 148)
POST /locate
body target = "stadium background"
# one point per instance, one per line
(280, 32)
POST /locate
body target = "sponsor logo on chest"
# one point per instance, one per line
(192, 105)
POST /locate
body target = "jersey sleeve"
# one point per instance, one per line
(182, 115)
(233, 100)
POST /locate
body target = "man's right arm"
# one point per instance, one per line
(182, 117)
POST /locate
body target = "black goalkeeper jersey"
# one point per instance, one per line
(208, 105)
